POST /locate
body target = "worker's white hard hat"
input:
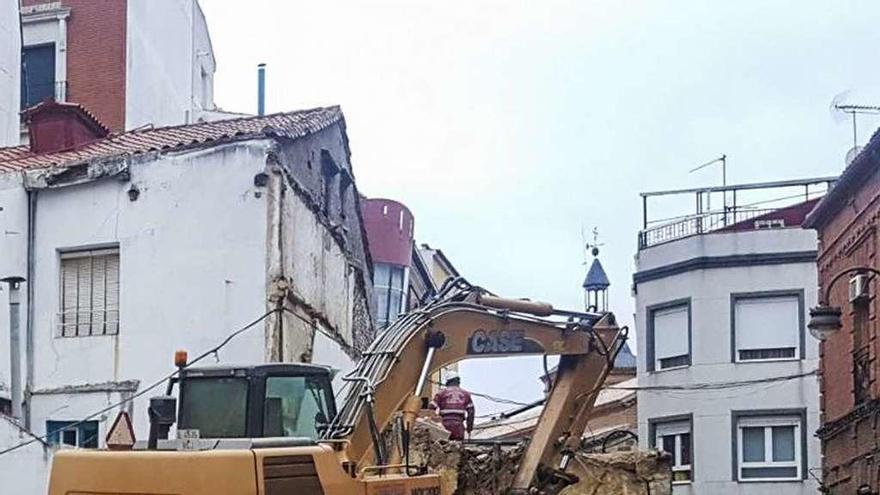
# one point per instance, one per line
(451, 375)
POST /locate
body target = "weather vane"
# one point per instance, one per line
(594, 246)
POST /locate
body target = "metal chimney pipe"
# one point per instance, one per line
(14, 284)
(261, 89)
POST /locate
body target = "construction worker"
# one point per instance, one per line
(455, 406)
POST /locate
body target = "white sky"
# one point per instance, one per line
(507, 126)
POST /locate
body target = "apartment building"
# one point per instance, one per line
(726, 369)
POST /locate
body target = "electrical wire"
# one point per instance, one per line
(153, 386)
(499, 400)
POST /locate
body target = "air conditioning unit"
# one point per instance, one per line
(858, 287)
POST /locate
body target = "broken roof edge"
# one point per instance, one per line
(288, 125)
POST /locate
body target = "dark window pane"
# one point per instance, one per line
(783, 443)
(683, 475)
(780, 353)
(217, 407)
(671, 362)
(88, 435)
(753, 444)
(685, 448)
(298, 407)
(38, 74)
(68, 437)
(769, 472)
(668, 443)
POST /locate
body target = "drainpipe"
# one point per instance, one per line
(29, 325)
(14, 284)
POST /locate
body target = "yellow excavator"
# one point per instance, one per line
(274, 429)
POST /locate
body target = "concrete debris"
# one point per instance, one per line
(621, 473)
(489, 469)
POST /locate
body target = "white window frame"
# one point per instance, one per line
(768, 422)
(676, 428)
(47, 23)
(80, 254)
(654, 360)
(799, 334)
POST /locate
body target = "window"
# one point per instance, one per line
(70, 433)
(669, 335)
(389, 284)
(769, 447)
(674, 437)
(38, 74)
(89, 293)
(217, 407)
(296, 406)
(767, 326)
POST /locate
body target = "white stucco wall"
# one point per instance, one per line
(10, 72)
(13, 236)
(192, 264)
(22, 471)
(709, 291)
(168, 48)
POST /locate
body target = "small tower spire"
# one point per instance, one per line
(596, 283)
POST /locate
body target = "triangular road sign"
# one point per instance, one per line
(121, 434)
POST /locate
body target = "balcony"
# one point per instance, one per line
(767, 205)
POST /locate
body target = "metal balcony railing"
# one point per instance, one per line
(702, 224)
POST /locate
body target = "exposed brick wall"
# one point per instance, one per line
(96, 47)
(850, 437)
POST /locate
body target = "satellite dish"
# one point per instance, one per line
(852, 154)
(834, 108)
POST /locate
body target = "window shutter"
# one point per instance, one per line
(112, 294)
(83, 296)
(671, 332)
(69, 272)
(767, 323)
(89, 293)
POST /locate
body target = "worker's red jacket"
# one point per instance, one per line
(454, 404)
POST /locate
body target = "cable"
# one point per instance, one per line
(156, 384)
(717, 385)
(492, 398)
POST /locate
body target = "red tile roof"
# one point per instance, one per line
(291, 125)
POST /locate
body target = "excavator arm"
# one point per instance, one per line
(465, 322)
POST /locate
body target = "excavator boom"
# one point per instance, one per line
(274, 430)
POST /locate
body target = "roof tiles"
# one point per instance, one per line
(291, 125)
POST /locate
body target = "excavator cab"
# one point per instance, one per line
(270, 400)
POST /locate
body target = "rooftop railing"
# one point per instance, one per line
(765, 210)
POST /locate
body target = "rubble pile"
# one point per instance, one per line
(621, 473)
(489, 469)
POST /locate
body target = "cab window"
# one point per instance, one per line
(295, 406)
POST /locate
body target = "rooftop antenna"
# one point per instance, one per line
(723, 161)
(839, 107)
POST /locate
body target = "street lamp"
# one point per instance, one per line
(824, 318)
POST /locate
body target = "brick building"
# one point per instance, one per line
(846, 221)
(130, 63)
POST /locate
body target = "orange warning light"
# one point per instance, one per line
(180, 358)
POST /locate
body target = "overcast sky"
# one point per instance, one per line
(507, 126)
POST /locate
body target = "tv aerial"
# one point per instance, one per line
(840, 109)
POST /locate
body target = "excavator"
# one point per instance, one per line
(274, 429)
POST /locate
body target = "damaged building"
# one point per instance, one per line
(137, 244)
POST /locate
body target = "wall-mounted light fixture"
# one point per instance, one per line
(133, 193)
(825, 319)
